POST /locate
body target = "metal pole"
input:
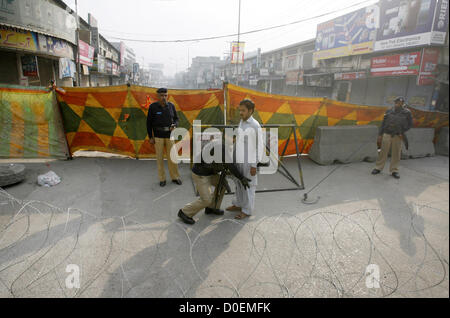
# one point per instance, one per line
(78, 45)
(225, 103)
(238, 41)
(298, 157)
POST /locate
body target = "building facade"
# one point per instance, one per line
(366, 57)
(37, 42)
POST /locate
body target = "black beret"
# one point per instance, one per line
(162, 91)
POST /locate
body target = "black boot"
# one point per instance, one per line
(214, 211)
(185, 218)
(396, 175)
(177, 181)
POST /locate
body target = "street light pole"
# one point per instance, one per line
(238, 45)
(78, 45)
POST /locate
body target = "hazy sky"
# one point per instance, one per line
(189, 19)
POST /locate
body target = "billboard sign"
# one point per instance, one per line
(411, 23)
(349, 76)
(115, 69)
(440, 23)
(56, 47)
(387, 25)
(394, 65)
(95, 36)
(18, 39)
(350, 34)
(122, 54)
(237, 52)
(428, 67)
(86, 53)
(39, 16)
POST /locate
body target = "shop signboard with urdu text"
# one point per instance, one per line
(349, 76)
(40, 16)
(350, 34)
(430, 60)
(397, 64)
(18, 39)
(86, 53)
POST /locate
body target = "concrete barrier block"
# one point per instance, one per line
(344, 144)
(442, 142)
(420, 143)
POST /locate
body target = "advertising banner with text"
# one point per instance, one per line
(398, 64)
(351, 34)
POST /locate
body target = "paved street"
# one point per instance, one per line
(110, 218)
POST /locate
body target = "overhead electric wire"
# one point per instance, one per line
(242, 33)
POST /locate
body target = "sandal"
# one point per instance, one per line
(234, 208)
(241, 216)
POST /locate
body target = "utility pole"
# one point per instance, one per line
(238, 45)
(78, 45)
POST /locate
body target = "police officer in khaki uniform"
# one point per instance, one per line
(162, 118)
(396, 122)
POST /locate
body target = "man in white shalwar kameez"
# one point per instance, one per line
(248, 154)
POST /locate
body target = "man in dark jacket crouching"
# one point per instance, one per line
(205, 177)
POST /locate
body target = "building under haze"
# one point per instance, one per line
(368, 57)
(204, 72)
(33, 50)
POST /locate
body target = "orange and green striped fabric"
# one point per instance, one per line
(310, 113)
(30, 124)
(113, 119)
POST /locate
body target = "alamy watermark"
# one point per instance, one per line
(73, 279)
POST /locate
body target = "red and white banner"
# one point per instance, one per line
(398, 64)
(349, 76)
(86, 53)
(430, 60)
(237, 52)
(115, 69)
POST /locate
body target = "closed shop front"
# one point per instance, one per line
(358, 91)
(8, 68)
(375, 91)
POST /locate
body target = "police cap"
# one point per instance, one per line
(162, 91)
